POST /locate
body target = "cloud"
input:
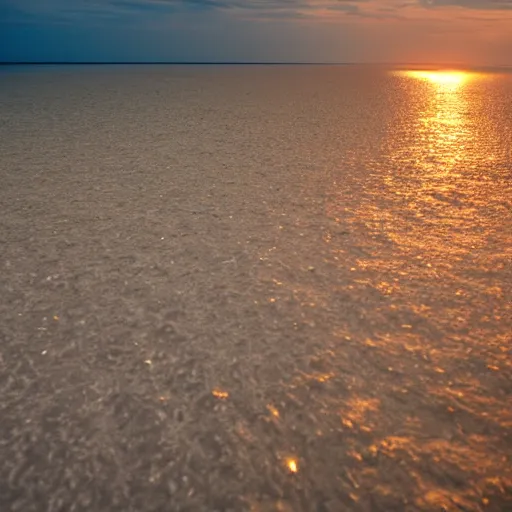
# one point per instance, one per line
(486, 5)
(257, 30)
(57, 9)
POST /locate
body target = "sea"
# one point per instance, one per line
(255, 288)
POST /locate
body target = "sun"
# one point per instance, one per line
(449, 78)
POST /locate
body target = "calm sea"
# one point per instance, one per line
(255, 288)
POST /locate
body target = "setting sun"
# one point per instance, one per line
(453, 78)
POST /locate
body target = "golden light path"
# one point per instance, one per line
(441, 77)
(421, 235)
(430, 211)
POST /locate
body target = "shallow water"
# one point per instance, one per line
(255, 288)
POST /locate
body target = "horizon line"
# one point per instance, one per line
(244, 63)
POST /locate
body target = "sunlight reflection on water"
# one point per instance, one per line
(434, 211)
(421, 255)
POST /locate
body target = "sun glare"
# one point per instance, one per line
(441, 78)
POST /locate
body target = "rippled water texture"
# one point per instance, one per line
(255, 288)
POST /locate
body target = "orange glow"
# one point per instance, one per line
(273, 411)
(443, 79)
(292, 465)
(218, 393)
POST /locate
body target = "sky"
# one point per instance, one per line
(468, 32)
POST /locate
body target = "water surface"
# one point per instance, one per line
(255, 288)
